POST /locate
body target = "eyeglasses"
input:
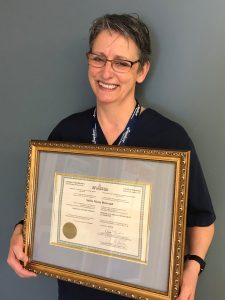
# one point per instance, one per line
(118, 65)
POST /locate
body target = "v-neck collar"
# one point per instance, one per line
(101, 137)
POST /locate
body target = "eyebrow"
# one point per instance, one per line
(116, 57)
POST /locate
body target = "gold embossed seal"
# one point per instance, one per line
(69, 230)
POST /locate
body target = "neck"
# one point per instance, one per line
(113, 118)
(113, 114)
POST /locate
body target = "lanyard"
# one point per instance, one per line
(127, 130)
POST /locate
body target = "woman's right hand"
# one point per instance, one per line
(16, 254)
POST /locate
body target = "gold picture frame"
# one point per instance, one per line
(107, 217)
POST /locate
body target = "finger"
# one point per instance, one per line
(23, 273)
(20, 255)
(15, 264)
(17, 247)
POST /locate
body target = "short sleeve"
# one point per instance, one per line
(200, 210)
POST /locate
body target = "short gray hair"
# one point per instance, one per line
(130, 26)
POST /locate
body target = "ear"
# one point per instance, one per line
(143, 72)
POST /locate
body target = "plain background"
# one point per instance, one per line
(43, 78)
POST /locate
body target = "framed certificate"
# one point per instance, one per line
(107, 217)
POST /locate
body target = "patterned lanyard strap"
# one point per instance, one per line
(127, 130)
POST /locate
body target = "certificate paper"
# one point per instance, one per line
(101, 215)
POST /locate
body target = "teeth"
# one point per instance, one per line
(107, 86)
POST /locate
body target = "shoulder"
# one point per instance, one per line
(163, 123)
(81, 117)
(161, 132)
(73, 127)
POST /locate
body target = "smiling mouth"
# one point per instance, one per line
(107, 85)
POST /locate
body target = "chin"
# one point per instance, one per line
(105, 97)
(102, 101)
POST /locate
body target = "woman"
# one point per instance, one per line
(119, 57)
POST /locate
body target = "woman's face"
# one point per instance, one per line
(110, 86)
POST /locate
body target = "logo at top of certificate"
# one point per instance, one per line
(69, 230)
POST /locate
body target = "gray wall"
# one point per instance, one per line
(43, 79)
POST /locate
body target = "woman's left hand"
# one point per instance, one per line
(189, 281)
(198, 242)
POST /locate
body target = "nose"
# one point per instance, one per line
(107, 70)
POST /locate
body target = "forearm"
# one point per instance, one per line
(199, 240)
